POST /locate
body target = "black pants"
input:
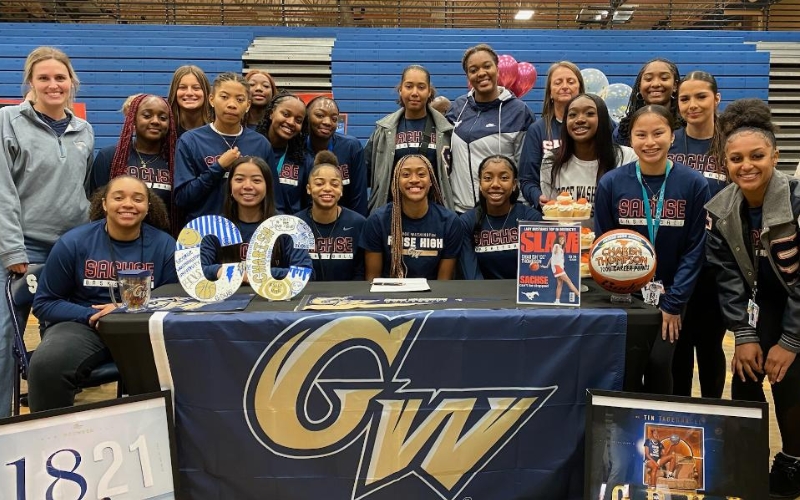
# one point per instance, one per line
(786, 393)
(703, 331)
(67, 355)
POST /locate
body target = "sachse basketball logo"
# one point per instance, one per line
(444, 437)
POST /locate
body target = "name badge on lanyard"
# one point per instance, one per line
(653, 290)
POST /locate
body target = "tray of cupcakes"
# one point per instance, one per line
(566, 209)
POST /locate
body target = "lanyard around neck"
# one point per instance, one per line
(653, 223)
(279, 168)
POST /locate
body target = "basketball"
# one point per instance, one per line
(674, 439)
(622, 261)
(534, 266)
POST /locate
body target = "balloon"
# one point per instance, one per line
(616, 98)
(594, 81)
(526, 79)
(506, 70)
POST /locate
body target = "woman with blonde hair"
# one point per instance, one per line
(44, 164)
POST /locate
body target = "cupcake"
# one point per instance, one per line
(564, 196)
(585, 272)
(587, 237)
(582, 208)
(550, 209)
(565, 209)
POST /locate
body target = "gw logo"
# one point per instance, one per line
(324, 384)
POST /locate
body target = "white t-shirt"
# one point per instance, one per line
(577, 177)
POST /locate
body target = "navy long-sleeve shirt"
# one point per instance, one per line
(541, 137)
(680, 241)
(84, 262)
(199, 178)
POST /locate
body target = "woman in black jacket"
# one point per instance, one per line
(754, 247)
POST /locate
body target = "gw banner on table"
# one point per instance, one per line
(421, 405)
(119, 449)
(549, 271)
(642, 448)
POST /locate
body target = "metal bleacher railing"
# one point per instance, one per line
(751, 15)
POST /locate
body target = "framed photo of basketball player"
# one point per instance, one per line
(647, 447)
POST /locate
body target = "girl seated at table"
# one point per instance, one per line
(282, 126)
(491, 239)
(250, 200)
(663, 201)
(586, 151)
(412, 236)
(204, 155)
(126, 233)
(336, 255)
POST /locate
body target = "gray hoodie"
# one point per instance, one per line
(42, 180)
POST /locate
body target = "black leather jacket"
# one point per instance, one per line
(727, 246)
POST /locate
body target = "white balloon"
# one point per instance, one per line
(616, 98)
(594, 81)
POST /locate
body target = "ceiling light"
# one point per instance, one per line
(524, 15)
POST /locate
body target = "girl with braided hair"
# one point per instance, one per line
(145, 150)
(282, 126)
(656, 83)
(413, 236)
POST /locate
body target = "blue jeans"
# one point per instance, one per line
(37, 254)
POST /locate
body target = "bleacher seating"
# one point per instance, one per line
(114, 61)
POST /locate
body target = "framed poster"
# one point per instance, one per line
(121, 449)
(647, 447)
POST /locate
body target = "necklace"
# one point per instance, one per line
(652, 193)
(489, 221)
(144, 163)
(222, 136)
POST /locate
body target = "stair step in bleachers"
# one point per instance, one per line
(784, 96)
(298, 64)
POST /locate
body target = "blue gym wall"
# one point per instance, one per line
(114, 61)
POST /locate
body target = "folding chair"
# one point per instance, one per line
(20, 289)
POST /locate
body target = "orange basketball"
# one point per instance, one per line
(622, 261)
(534, 266)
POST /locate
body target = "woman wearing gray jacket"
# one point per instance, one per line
(45, 162)
(415, 128)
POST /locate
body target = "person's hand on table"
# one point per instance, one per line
(102, 310)
(778, 361)
(748, 359)
(670, 326)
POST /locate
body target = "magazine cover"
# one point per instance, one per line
(642, 448)
(548, 270)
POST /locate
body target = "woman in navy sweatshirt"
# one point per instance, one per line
(73, 288)
(663, 201)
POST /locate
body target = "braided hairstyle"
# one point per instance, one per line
(480, 209)
(636, 100)
(119, 163)
(295, 149)
(398, 267)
